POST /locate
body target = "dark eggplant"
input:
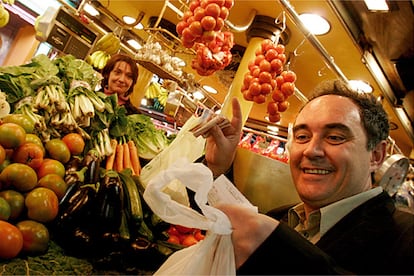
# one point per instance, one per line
(75, 206)
(109, 204)
(73, 176)
(92, 161)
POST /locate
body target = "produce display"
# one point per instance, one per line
(266, 76)
(201, 28)
(106, 46)
(70, 160)
(154, 53)
(157, 93)
(262, 145)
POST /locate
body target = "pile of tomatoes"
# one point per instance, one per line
(201, 27)
(185, 236)
(31, 184)
(266, 76)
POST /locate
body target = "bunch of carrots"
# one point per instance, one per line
(124, 156)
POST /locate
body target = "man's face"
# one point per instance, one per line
(329, 160)
(120, 78)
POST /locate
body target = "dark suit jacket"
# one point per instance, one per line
(374, 238)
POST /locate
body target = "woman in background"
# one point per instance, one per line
(120, 75)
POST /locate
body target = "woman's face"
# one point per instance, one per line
(120, 78)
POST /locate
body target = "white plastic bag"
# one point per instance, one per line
(185, 145)
(212, 256)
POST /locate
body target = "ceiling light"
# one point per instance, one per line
(360, 86)
(129, 20)
(316, 24)
(210, 89)
(139, 26)
(91, 9)
(134, 44)
(376, 5)
(198, 95)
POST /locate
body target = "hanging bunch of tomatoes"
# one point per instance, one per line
(201, 29)
(266, 76)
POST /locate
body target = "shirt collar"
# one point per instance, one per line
(334, 212)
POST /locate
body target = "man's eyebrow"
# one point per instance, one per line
(339, 126)
(299, 127)
(331, 126)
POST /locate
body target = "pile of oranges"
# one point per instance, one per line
(31, 184)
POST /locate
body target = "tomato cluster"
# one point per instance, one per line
(201, 27)
(178, 234)
(31, 184)
(266, 76)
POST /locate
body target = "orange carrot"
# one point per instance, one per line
(111, 158)
(127, 158)
(134, 157)
(119, 158)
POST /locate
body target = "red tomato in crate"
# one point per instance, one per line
(16, 202)
(35, 236)
(30, 154)
(11, 135)
(20, 176)
(11, 240)
(42, 204)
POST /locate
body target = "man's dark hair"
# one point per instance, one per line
(373, 116)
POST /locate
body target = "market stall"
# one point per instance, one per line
(97, 221)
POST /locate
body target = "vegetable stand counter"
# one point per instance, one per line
(56, 262)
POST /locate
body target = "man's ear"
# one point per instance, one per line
(378, 155)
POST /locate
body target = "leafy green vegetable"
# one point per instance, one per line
(149, 140)
(71, 68)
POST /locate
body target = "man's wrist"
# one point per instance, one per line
(216, 175)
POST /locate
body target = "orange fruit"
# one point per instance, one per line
(49, 166)
(11, 240)
(42, 204)
(58, 150)
(12, 135)
(20, 176)
(75, 143)
(54, 182)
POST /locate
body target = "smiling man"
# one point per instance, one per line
(344, 223)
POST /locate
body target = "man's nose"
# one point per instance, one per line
(314, 148)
